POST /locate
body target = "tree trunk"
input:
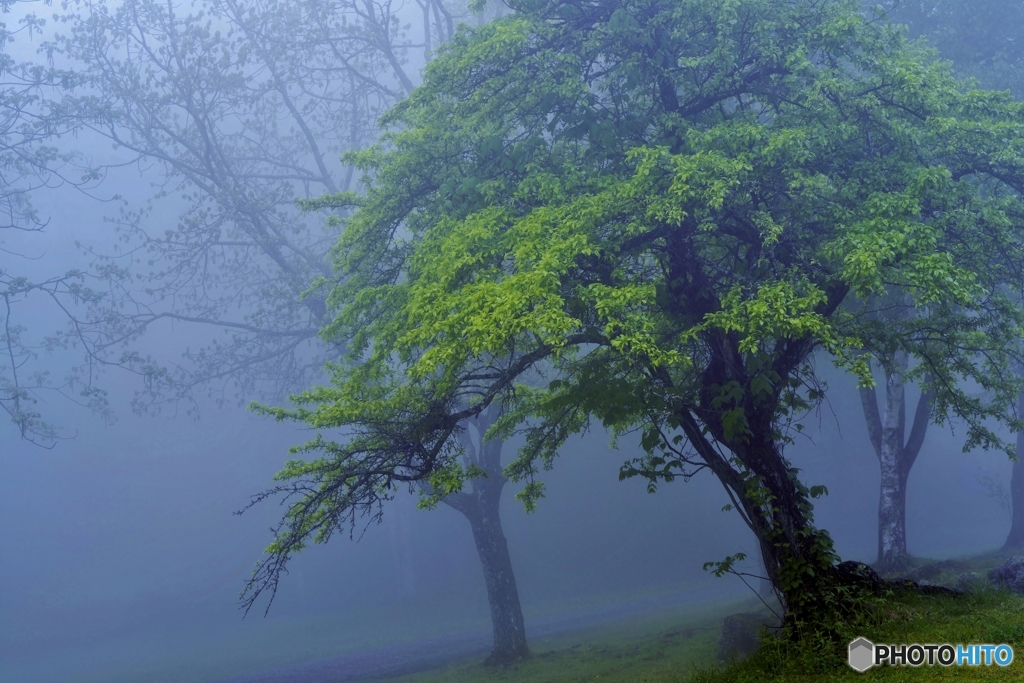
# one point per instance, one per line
(1015, 539)
(798, 558)
(502, 594)
(892, 519)
(797, 550)
(892, 498)
(895, 458)
(481, 505)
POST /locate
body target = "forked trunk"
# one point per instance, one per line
(895, 458)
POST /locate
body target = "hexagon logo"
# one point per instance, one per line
(861, 655)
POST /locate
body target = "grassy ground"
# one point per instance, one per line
(641, 651)
(686, 649)
(988, 616)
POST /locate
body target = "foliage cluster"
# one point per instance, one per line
(661, 216)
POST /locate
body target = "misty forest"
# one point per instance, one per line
(509, 340)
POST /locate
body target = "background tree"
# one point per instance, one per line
(1015, 537)
(661, 208)
(245, 106)
(242, 106)
(896, 450)
(233, 109)
(32, 118)
(982, 40)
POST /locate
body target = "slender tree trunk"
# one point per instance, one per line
(892, 498)
(502, 593)
(892, 519)
(764, 584)
(1015, 539)
(481, 505)
(887, 429)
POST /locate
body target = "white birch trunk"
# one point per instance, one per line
(892, 536)
(896, 457)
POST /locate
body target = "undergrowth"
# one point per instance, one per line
(987, 616)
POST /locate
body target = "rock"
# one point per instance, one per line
(1009, 575)
(859, 574)
(741, 633)
(929, 588)
(933, 569)
(968, 581)
(924, 587)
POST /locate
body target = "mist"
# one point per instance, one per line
(183, 291)
(128, 560)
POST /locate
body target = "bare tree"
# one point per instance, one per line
(236, 109)
(32, 118)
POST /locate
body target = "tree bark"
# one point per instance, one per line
(502, 594)
(733, 430)
(892, 518)
(798, 557)
(895, 458)
(1015, 539)
(733, 427)
(481, 506)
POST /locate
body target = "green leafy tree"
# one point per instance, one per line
(652, 214)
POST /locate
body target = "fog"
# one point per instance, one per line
(121, 558)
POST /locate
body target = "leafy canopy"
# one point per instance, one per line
(658, 214)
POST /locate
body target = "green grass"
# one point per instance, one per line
(638, 651)
(684, 648)
(989, 616)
